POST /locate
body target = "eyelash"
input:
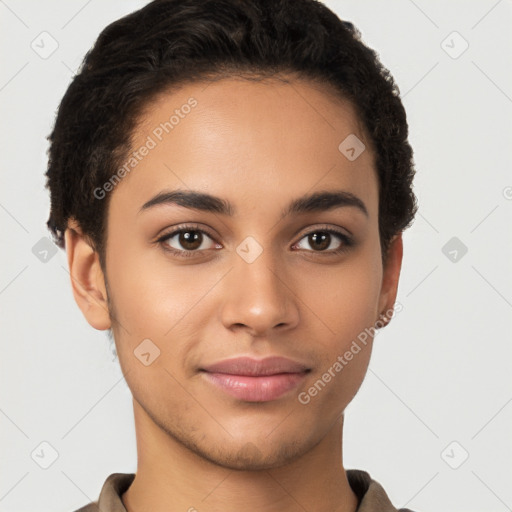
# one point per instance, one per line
(347, 242)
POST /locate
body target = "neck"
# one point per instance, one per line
(171, 477)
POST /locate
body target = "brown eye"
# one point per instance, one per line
(319, 241)
(186, 241)
(190, 240)
(322, 239)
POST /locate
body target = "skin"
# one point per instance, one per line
(259, 145)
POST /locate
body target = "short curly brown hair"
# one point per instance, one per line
(171, 42)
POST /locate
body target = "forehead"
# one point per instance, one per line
(239, 138)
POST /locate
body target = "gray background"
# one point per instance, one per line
(438, 389)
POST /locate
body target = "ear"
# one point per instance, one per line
(391, 275)
(87, 279)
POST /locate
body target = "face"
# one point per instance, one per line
(246, 274)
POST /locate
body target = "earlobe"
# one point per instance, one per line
(87, 279)
(391, 277)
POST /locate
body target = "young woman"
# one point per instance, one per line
(231, 179)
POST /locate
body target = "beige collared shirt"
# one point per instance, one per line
(371, 495)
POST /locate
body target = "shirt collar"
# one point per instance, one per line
(371, 495)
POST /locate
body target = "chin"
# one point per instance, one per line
(249, 457)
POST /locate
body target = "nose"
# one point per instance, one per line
(259, 296)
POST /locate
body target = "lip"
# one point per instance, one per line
(256, 380)
(251, 367)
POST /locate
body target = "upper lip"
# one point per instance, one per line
(257, 367)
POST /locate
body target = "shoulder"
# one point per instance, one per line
(372, 496)
(110, 496)
(92, 507)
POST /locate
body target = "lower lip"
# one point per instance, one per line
(256, 389)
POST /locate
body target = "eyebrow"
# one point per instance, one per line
(315, 202)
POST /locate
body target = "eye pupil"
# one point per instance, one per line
(186, 239)
(323, 238)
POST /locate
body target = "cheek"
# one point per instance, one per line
(348, 309)
(347, 304)
(146, 293)
(347, 301)
(159, 300)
